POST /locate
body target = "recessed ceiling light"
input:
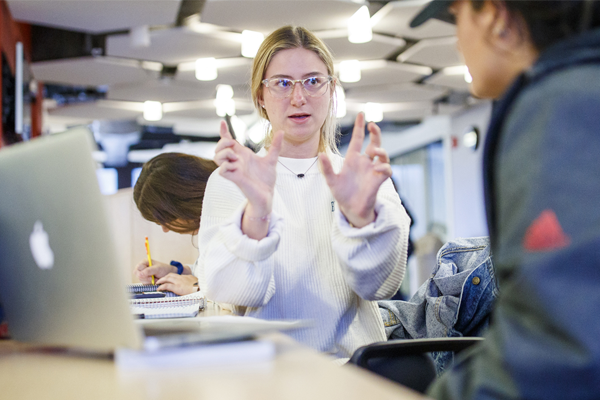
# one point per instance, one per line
(359, 26)
(373, 112)
(350, 71)
(251, 41)
(206, 69)
(152, 111)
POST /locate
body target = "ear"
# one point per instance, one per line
(505, 29)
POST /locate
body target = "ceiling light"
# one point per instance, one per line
(468, 77)
(239, 127)
(350, 71)
(359, 26)
(224, 92)
(458, 70)
(373, 112)
(224, 102)
(206, 69)
(340, 102)
(139, 36)
(225, 107)
(251, 41)
(257, 132)
(152, 111)
(470, 138)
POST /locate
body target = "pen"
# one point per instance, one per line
(229, 126)
(149, 258)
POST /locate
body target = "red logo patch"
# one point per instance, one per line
(545, 233)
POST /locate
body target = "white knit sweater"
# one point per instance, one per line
(312, 265)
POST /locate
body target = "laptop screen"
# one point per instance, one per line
(59, 279)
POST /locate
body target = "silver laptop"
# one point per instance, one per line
(60, 282)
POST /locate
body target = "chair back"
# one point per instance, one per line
(407, 361)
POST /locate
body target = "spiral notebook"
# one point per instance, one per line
(170, 306)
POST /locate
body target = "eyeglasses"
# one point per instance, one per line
(314, 86)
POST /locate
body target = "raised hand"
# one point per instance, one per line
(254, 175)
(355, 187)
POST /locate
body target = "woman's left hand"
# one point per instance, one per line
(178, 284)
(355, 187)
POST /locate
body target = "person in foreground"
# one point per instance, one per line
(297, 232)
(541, 60)
(169, 192)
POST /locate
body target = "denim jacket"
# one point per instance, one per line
(455, 301)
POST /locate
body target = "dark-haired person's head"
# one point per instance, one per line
(170, 190)
(500, 39)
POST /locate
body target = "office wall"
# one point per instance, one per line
(462, 176)
(129, 230)
(467, 173)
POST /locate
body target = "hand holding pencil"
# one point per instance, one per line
(149, 257)
(144, 272)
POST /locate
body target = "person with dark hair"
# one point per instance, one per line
(541, 61)
(169, 192)
(287, 237)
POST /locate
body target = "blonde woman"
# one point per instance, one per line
(297, 232)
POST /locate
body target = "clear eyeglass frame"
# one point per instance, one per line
(283, 92)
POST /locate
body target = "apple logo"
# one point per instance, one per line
(40, 247)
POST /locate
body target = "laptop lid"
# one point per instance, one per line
(60, 283)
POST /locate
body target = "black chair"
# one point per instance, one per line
(406, 361)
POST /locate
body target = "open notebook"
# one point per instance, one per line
(170, 306)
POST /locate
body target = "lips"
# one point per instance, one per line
(299, 116)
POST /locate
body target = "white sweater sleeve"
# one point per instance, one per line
(233, 268)
(373, 258)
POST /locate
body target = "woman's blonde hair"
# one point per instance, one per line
(294, 37)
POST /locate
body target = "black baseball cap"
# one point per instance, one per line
(437, 9)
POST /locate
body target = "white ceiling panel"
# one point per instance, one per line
(420, 113)
(380, 47)
(98, 110)
(454, 81)
(234, 72)
(436, 53)
(95, 16)
(91, 71)
(173, 46)
(162, 90)
(383, 72)
(394, 19)
(407, 92)
(204, 127)
(410, 111)
(203, 109)
(268, 15)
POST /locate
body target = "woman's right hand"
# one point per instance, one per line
(144, 272)
(254, 175)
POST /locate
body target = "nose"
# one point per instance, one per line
(164, 229)
(298, 96)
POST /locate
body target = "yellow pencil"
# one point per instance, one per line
(149, 258)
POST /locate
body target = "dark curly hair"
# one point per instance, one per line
(550, 21)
